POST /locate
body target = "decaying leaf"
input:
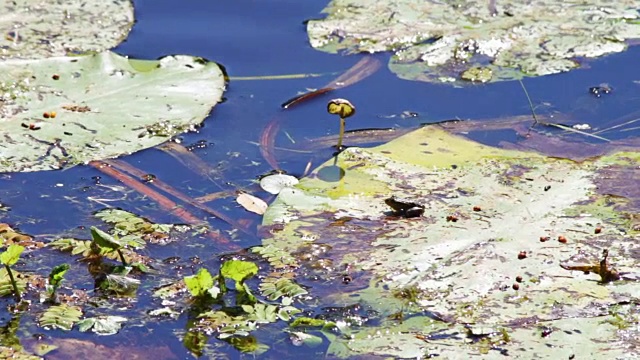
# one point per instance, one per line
(601, 267)
(252, 203)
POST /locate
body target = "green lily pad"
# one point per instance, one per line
(33, 29)
(489, 250)
(440, 40)
(101, 106)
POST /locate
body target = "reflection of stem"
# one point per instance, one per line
(341, 133)
(13, 282)
(124, 262)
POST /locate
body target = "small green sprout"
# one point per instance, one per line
(104, 240)
(8, 258)
(344, 109)
(55, 279)
(202, 284)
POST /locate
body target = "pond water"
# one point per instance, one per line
(264, 38)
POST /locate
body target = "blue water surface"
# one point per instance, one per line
(263, 38)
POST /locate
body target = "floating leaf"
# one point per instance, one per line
(102, 325)
(238, 270)
(273, 289)
(275, 183)
(252, 203)
(75, 246)
(201, 284)
(133, 228)
(285, 312)
(261, 313)
(60, 317)
(277, 257)
(102, 106)
(439, 40)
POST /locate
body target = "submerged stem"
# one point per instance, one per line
(342, 122)
(13, 282)
(124, 262)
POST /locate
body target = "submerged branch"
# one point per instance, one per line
(123, 166)
(162, 200)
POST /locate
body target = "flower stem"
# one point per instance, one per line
(342, 122)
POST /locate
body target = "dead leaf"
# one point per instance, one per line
(252, 203)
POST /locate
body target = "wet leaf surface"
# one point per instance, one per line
(476, 256)
(33, 29)
(101, 106)
(476, 40)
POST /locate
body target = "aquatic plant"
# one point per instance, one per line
(344, 109)
(8, 258)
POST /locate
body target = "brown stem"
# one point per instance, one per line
(124, 261)
(123, 166)
(162, 200)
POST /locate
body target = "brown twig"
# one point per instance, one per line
(123, 166)
(162, 200)
(190, 160)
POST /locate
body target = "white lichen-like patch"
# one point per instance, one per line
(435, 39)
(63, 111)
(34, 29)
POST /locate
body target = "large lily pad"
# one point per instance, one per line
(45, 28)
(64, 111)
(481, 270)
(442, 40)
